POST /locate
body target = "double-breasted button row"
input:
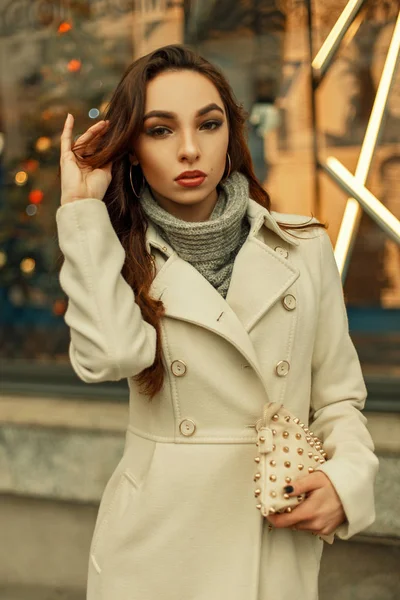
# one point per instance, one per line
(178, 368)
(289, 302)
(281, 251)
(187, 427)
(282, 368)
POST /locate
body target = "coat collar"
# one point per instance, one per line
(260, 277)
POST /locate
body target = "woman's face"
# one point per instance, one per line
(185, 128)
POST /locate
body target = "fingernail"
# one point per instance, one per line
(288, 489)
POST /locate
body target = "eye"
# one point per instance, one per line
(211, 125)
(158, 131)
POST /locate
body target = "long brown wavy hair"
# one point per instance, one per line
(125, 111)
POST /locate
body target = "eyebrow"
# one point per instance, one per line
(170, 115)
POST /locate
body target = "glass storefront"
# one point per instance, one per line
(68, 56)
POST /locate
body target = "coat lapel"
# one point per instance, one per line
(259, 277)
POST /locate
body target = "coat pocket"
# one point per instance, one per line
(121, 501)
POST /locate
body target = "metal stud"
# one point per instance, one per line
(302, 425)
(288, 510)
(287, 418)
(257, 492)
(262, 439)
(273, 447)
(299, 498)
(257, 476)
(274, 432)
(285, 434)
(298, 436)
(300, 467)
(315, 438)
(272, 477)
(258, 506)
(311, 433)
(287, 464)
(296, 420)
(308, 439)
(324, 454)
(306, 429)
(288, 479)
(310, 455)
(300, 450)
(321, 461)
(271, 511)
(275, 417)
(272, 463)
(257, 459)
(310, 470)
(272, 494)
(286, 448)
(286, 496)
(311, 443)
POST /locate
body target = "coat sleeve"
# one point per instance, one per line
(109, 338)
(338, 396)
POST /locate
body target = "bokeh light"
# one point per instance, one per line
(31, 210)
(74, 65)
(28, 265)
(35, 196)
(42, 144)
(3, 258)
(59, 307)
(94, 113)
(21, 178)
(64, 27)
(31, 165)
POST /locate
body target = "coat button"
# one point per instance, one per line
(289, 302)
(282, 252)
(187, 427)
(178, 368)
(282, 368)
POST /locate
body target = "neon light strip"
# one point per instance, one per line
(352, 213)
(376, 210)
(328, 49)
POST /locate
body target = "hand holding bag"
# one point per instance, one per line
(286, 449)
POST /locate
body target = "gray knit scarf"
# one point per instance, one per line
(210, 246)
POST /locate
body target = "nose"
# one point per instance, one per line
(189, 149)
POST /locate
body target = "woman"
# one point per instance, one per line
(210, 306)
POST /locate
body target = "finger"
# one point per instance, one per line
(303, 512)
(66, 135)
(92, 132)
(308, 525)
(305, 484)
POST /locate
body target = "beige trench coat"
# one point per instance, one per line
(177, 520)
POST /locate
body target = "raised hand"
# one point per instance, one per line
(78, 181)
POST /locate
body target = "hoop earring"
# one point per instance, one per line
(133, 187)
(229, 167)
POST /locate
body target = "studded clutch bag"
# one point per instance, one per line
(286, 450)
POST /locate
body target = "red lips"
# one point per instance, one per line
(190, 175)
